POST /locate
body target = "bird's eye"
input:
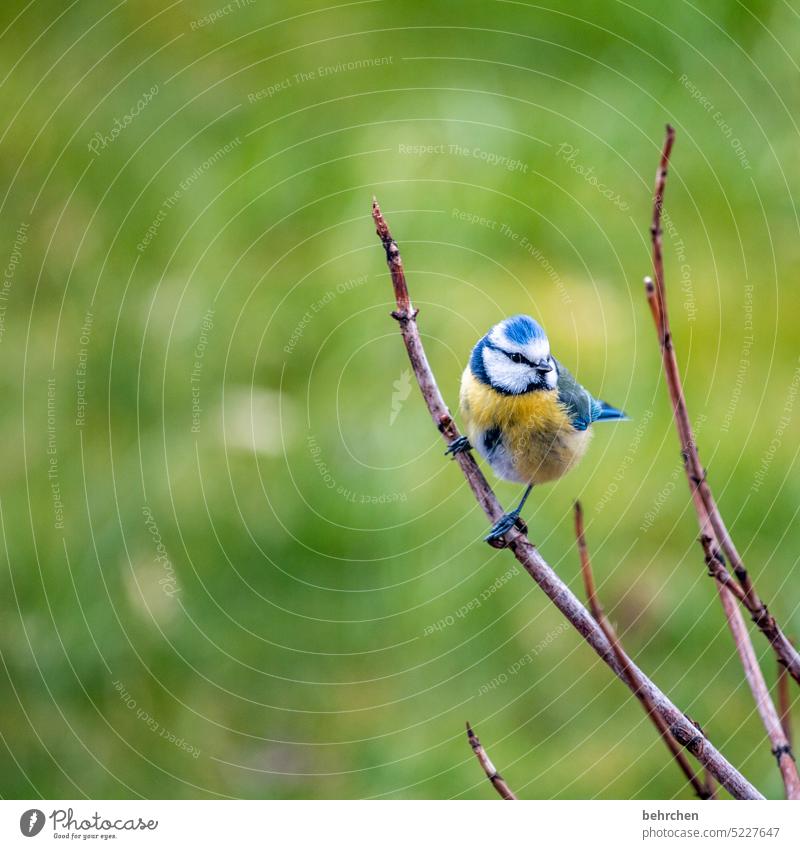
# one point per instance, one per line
(517, 358)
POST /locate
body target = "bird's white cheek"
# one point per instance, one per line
(512, 377)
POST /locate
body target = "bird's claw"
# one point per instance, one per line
(502, 526)
(457, 446)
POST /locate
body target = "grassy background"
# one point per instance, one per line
(321, 617)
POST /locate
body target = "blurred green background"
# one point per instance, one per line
(235, 561)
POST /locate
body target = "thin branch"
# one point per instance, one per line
(716, 564)
(706, 509)
(696, 474)
(785, 702)
(703, 790)
(498, 782)
(554, 588)
(728, 589)
(764, 704)
(655, 228)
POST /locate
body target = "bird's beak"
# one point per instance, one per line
(544, 367)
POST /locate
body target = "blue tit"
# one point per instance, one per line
(523, 411)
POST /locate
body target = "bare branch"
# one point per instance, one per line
(655, 229)
(717, 568)
(703, 790)
(711, 786)
(556, 590)
(706, 510)
(498, 782)
(696, 474)
(764, 704)
(785, 702)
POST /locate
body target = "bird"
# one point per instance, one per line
(523, 411)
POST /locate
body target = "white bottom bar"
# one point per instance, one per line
(390, 824)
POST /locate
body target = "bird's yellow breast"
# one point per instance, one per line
(539, 410)
(538, 442)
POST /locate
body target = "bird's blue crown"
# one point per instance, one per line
(520, 330)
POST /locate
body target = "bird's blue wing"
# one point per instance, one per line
(581, 407)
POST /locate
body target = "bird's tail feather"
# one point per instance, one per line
(607, 413)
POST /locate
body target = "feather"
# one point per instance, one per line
(607, 413)
(575, 398)
(582, 407)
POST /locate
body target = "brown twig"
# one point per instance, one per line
(764, 704)
(498, 782)
(655, 228)
(728, 590)
(696, 474)
(556, 590)
(706, 510)
(785, 702)
(703, 790)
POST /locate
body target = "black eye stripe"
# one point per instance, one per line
(518, 358)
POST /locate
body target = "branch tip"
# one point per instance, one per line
(405, 311)
(497, 780)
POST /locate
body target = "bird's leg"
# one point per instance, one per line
(457, 446)
(508, 520)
